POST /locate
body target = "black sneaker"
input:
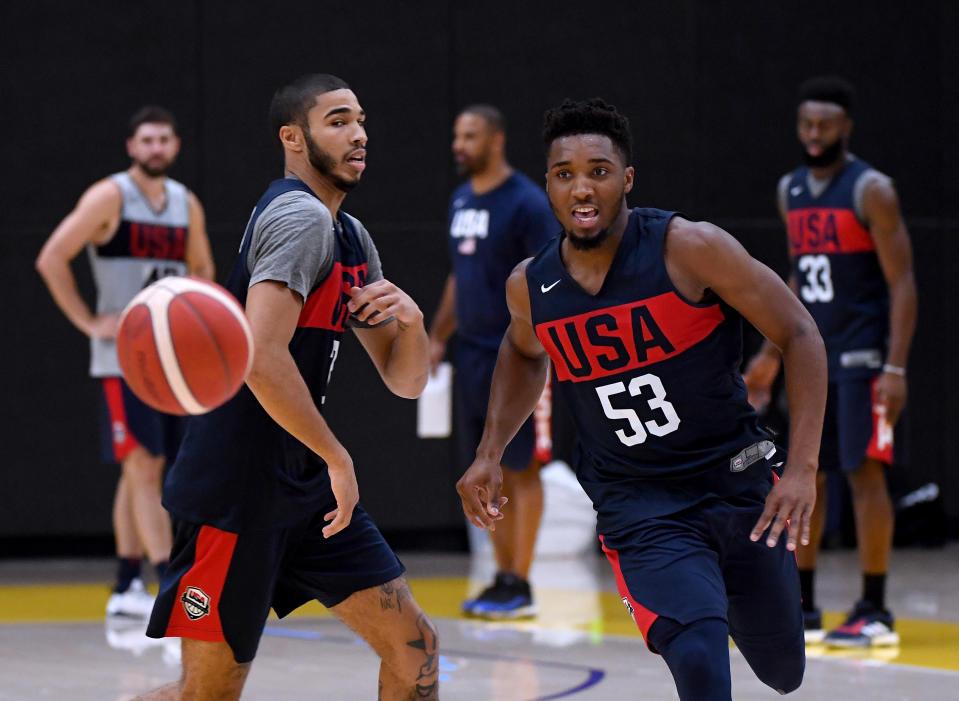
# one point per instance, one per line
(812, 626)
(508, 597)
(866, 626)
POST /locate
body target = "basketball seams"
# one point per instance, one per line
(215, 342)
(159, 309)
(180, 285)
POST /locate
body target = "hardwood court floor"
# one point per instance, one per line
(54, 643)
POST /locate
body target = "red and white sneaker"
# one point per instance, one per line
(866, 626)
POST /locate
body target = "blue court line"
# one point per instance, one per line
(593, 676)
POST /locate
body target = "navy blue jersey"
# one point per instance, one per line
(238, 469)
(489, 235)
(840, 282)
(651, 380)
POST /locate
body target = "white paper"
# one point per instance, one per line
(434, 408)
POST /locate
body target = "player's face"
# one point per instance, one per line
(336, 138)
(823, 129)
(153, 148)
(587, 182)
(472, 142)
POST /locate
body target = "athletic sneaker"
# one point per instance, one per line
(135, 602)
(866, 626)
(508, 597)
(812, 626)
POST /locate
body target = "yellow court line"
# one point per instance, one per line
(596, 614)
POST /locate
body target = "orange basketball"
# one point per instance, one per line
(184, 345)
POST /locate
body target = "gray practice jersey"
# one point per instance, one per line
(146, 246)
(292, 243)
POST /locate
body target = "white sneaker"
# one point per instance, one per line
(135, 602)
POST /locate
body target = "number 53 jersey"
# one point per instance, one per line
(652, 381)
(835, 265)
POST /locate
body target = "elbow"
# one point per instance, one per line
(42, 264)
(412, 388)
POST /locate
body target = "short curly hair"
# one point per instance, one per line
(592, 116)
(829, 88)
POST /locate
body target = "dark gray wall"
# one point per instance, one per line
(708, 86)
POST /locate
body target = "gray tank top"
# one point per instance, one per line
(147, 245)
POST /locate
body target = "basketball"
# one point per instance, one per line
(184, 345)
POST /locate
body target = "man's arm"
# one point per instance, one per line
(444, 323)
(93, 220)
(399, 347)
(701, 257)
(273, 309)
(518, 380)
(881, 209)
(199, 257)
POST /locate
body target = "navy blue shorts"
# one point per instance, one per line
(699, 563)
(854, 427)
(474, 375)
(220, 586)
(127, 423)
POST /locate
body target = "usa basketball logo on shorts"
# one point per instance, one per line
(629, 607)
(196, 603)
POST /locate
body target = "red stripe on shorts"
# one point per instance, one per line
(120, 435)
(642, 616)
(542, 420)
(880, 443)
(195, 613)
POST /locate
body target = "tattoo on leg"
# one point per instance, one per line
(427, 684)
(393, 593)
(387, 596)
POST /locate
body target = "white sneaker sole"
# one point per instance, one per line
(814, 636)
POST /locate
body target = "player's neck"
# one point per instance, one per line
(154, 188)
(329, 194)
(491, 177)
(828, 172)
(590, 266)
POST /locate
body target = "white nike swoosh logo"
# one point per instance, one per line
(796, 191)
(546, 289)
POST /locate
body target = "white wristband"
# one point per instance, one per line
(894, 370)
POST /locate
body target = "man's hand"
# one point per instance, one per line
(345, 491)
(479, 489)
(891, 392)
(759, 377)
(382, 300)
(792, 498)
(104, 326)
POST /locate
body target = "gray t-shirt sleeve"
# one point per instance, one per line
(374, 268)
(292, 242)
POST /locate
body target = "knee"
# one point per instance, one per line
(140, 467)
(416, 663)
(782, 672)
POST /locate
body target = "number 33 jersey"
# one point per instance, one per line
(652, 381)
(835, 265)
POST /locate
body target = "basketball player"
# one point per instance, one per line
(263, 495)
(497, 218)
(852, 269)
(137, 226)
(638, 311)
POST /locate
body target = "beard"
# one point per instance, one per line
(154, 171)
(588, 244)
(325, 164)
(830, 155)
(472, 166)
